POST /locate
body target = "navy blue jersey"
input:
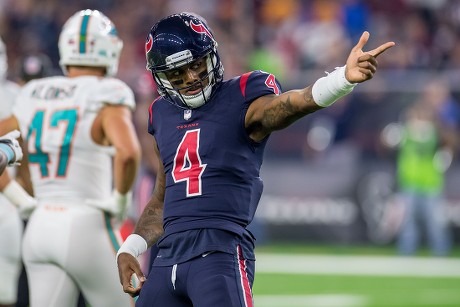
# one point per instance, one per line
(211, 165)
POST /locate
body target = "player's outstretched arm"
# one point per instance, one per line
(270, 113)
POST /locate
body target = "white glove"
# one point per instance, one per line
(25, 203)
(10, 139)
(117, 205)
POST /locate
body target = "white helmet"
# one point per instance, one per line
(89, 38)
(3, 60)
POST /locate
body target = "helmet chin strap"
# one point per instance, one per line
(199, 99)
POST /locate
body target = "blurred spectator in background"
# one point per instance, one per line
(34, 66)
(429, 139)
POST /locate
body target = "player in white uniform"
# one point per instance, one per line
(83, 156)
(11, 227)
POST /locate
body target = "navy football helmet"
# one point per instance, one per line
(178, 40)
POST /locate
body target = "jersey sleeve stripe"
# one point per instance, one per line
(151, 110)
(243, 81)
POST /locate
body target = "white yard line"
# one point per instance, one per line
(330, 300)
(357, 265)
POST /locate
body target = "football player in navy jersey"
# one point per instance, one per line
(210, 135)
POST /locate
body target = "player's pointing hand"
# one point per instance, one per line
(361, 65)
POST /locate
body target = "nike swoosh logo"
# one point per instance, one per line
(205, 254)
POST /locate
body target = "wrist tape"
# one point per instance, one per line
(9, 152)
(134, 245)
(328, 89)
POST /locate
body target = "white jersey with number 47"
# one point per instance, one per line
(55, 115)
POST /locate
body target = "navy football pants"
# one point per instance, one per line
(216, 279)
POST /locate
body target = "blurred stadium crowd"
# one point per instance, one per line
(294, 39)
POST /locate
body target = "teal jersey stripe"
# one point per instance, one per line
(83, 31)
(109, 228)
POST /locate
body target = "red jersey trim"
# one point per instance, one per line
(243, 81)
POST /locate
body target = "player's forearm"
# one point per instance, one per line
(150, 224)
(126, 166)
(289, 107)
(270, 113)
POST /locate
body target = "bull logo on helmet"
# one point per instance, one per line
(149, 44)
(199, 28)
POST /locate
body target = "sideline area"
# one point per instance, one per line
(358, 265)
(325, 280)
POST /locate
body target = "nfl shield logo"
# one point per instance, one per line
(187, 114)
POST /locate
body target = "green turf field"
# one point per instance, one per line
(331, 276)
